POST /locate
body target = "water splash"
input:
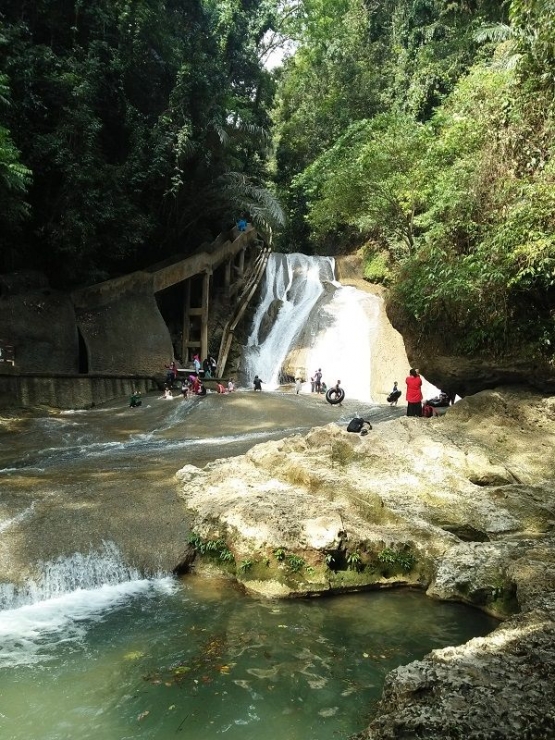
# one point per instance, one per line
(22, 516)
(59, 607)
(66, 574)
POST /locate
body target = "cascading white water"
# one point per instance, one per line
(343, 350)
(295, 283)
(65, 575)
(340, 325)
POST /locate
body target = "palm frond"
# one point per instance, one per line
(249, 196)
(496, 32)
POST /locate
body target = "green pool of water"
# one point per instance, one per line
(200, 660)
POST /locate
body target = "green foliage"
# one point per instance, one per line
(246, 565)
(279, 554)
(354, 561)
(370, 179)
(211, 548)
(483, 271)
(294, 562)
(377, 268)
(403, 560)
(130, 114)
(357, 60)
(15, 178)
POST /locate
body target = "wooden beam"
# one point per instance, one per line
(205, 314)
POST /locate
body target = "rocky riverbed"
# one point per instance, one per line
(461, 505)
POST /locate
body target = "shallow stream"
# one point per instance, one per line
(92, 649)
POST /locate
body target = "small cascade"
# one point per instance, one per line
(56, 612)
(293, 283)
(65, 575)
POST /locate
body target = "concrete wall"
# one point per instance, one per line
(127, 335)
(68, 391)
(41, 324)
(122, 330)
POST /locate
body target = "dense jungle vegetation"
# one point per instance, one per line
(420, 131)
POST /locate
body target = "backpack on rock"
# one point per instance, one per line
(358, 424)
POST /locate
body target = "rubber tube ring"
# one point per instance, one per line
(335, 396)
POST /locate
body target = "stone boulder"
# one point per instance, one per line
(462, 505)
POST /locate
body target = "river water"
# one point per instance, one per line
(95, 645)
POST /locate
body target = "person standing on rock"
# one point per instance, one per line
(298, 385)
(257, 383)
(414, 393)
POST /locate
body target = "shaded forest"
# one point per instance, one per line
(420, 132)
(126, 124)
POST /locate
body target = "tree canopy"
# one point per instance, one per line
(126, 121)
(436, 160)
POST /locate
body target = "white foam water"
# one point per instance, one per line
(25, 514)
(61, 604)
(294, 282)
(343, 350)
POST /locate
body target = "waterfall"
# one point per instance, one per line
(69, 596)
(293, 283)
(303, 307)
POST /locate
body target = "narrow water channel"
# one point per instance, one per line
(94, 647)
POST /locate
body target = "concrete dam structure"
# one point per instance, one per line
(75, 350)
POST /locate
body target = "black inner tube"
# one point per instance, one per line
(335, 395)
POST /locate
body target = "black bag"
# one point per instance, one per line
(355, 425)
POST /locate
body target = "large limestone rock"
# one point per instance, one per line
(500, 686)
(462, 505)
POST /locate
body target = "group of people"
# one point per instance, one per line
(416, 405)
(207, 367)
(317, 385)
(192, 385)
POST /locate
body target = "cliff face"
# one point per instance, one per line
(464, 375)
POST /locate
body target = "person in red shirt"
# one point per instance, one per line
(414, 393)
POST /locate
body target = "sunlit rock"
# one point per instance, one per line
(462, 505)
